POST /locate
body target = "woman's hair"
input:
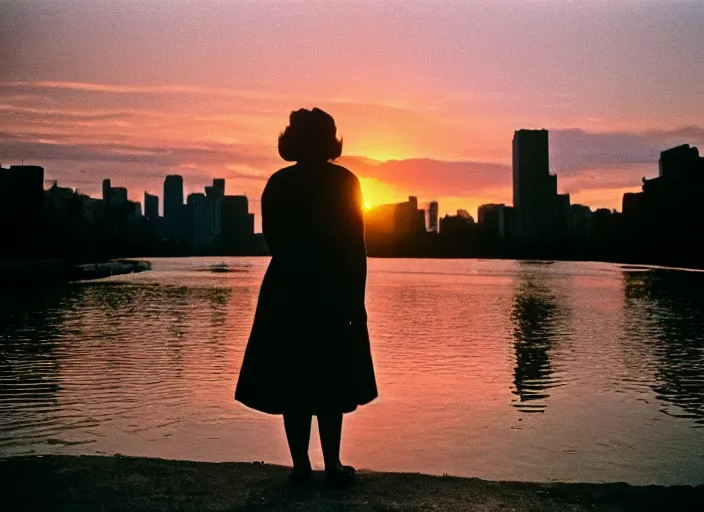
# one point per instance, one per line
(310, 135)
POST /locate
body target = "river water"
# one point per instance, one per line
(490, 368)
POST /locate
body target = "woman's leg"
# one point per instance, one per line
(330, 428)
(297, 425)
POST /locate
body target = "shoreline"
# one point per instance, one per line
(108, 483)
(626, 265)
(45, 272)
(60, 271)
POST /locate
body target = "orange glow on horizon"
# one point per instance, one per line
(376, 192)
(135, 98)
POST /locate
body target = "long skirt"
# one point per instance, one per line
(302, 355)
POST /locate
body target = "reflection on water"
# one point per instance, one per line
(104, 359)
(672, 303)
(146, 365)
(535, 316)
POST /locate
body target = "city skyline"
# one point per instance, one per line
(660, 224)
(141, 92)
(541, 197)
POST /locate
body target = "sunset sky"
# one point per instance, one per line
(426, 95)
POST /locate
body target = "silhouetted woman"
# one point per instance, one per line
(308, 352)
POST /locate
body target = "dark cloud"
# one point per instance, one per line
(574, 151)
(690, 134)
(607, 179)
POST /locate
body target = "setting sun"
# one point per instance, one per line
(376, 192)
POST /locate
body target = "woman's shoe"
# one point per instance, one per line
(342, 476)
(300, 477)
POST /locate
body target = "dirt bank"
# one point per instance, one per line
(106, 484)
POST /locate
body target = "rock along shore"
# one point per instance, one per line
(105, 484)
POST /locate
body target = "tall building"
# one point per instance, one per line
(215, 194)
(666, 219)
(679, 162)
(22, 214)
(173, 206)
(151, 206)
(118, 196)
(234, 206)
(106, 191)
(539, 211)
(433, 213)
(113, 196)
(397, 220)
(199, 220)
(531, 167)
(219, 186)
(237, 224)
(581, 221)
(395, 229)
(493, 219)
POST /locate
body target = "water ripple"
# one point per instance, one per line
(490, 367)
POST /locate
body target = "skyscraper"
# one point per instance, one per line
(219, 186)
(106, 191)
(237, 224)
(534, 188)
(531, 168)
(433, 212)
(215, 194)
(681, 161)
(199, 220)
(173, 206)
(22, 219)
(151, 206)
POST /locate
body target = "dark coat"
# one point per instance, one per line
(309, 346)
